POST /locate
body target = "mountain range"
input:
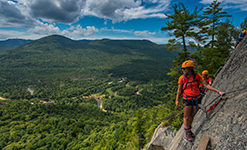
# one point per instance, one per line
(12, 43)
(60, 56)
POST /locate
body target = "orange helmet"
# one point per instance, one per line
(244, 32)
(205, 72)
(188, 63)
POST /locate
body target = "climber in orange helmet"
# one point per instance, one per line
(207, 79)
(188, 86)
(240, 37)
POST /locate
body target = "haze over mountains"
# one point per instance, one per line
(12, 43)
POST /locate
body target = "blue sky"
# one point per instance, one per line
(97, 19)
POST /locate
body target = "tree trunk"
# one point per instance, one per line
(213, 36)
(185, 49)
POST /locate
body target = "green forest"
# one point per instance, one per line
(106, 94)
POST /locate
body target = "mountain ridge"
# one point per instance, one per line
(12, 43)
(60, 58)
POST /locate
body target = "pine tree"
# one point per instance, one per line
(211, 20)
(212, 58)
(243, 25)
(182, 23)
(225, 36)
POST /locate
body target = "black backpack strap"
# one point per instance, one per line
(194, 79)
(186, 79)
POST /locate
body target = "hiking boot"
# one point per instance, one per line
(188, 136)
(192, 134)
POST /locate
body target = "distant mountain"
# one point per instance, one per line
(189, 48)
(61, 57)
(84, 41)
(12, 43)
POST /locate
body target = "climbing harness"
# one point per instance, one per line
(191, 98)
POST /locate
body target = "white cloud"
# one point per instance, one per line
(11, 15)
(116, 30)
(11, 2)
(39, 17)
(44, 28)
(64, 11)
(137, 33)
(230, 4)
(138, 12)
(26, 12)
(69, 11)
(13, 34)
(144, 33)
(73, 31)
(195, 41)
(209, 1)
(89, 30)
(159, 40)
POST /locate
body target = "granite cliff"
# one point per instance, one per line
(225, 126)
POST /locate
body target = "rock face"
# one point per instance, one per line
(162, 138)
(226, 125)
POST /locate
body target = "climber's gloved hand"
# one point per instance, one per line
(221, 93)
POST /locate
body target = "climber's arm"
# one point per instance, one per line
(205, 84)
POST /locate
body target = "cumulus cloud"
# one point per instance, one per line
(5, 34)
(40, 17)
(65, 11)
(144, 33)
(73, 31)
(109, 9)
(89, 30)
(27, 13)
(123, 10)
(11, 2)
(45, 29)
(69, 11)
(11, 15)
(209, 1)
(116, 30)
(230, 4)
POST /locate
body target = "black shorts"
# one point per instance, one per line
(190, 102)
